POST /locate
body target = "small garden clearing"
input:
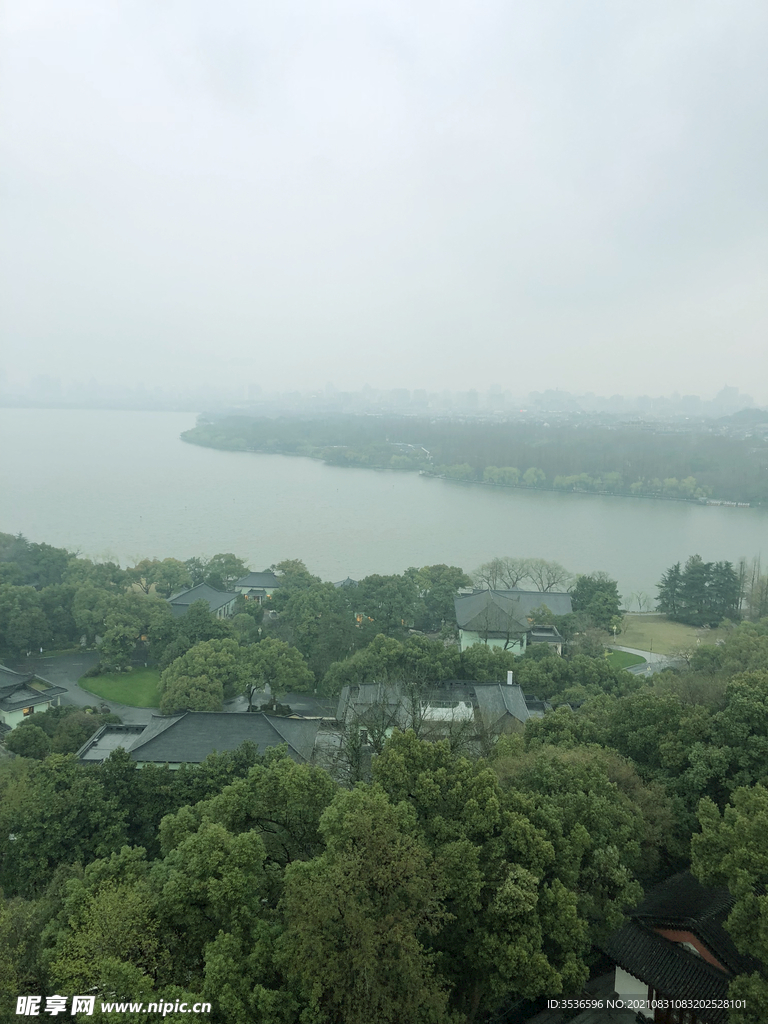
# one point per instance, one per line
(623, 659)
(138, 689)
(659, 634)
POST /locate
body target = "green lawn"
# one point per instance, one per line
(139, 689)
(622, 659)
(656, 633)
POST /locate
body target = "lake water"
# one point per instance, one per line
(122, 485)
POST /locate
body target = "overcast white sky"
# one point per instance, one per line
(408, 193)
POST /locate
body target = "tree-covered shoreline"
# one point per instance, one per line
(616, 460)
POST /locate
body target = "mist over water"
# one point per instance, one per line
(122, 485)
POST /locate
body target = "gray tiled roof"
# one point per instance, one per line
(8, 676)
(682, 904)
(544, 635)
(259, 580)
(108, 738)
(215, 599)
(16, 691)
(668, 967)
(505, 611)
(191, 736)
(358, 700)
(495, 701)
(536, 707)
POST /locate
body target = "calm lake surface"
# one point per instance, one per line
(122, 485)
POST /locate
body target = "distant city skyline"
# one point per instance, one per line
(49, 391)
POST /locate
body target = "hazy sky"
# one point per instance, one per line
(406, 193)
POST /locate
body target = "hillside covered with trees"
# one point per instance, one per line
(440, 882)
(618, 459)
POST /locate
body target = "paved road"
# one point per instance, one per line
(653, 662)
(66, 669)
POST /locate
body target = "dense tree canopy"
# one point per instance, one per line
(702, 593)
(454, 880)
(200, 679)
(731, 851)
(597, 598)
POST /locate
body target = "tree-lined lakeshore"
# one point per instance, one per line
(415, 876)
(630, 459)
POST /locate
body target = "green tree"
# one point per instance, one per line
(670, 590)
(724, 592)
(294, 575)
(533, 477)
(357, 915)
(415, 660)
(57, 603)
(597, 597)
(437, 586)
(703, 593)
(745, 649)
(223, 569)
(280, 800)
(246, 627)
(204, 677)
(389, 600)
(166, 577)
(74, 729)
(199, 624)
(103, 575)
(117, 646)
(317, 619)
(90, 607)
(275, 664)
(219, 572)
(52, 812)
(501, 476)
(37, 565)
(210, 881)
(596, 830)
(740, 730)
(23, 623)
(694, 597)
(502, 940)
(731, 851)
(28, 740)
(109, 936)
(110, 943)
(460, 471)
(483, 664)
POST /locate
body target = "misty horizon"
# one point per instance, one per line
(438, 197)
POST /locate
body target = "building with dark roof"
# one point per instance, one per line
(257, 585)
(503, 618)
(674, 946)
(189, 737)
(493, 708)
(220, 603)
(24, 695)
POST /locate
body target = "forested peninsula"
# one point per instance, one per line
(637, 460)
